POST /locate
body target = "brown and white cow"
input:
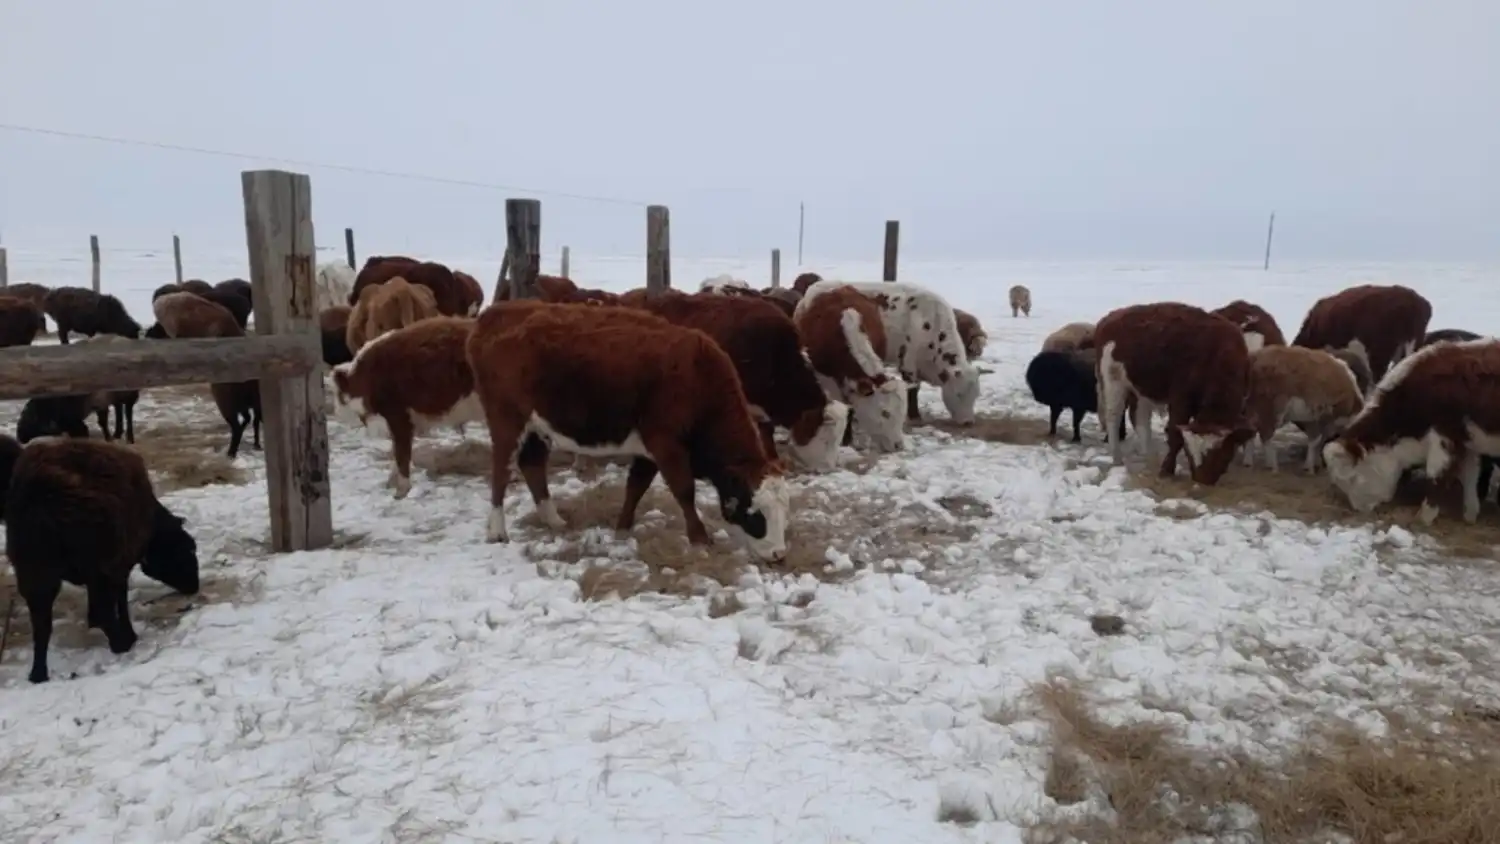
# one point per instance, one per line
(1390, 320)
(775, 373)
(387, 307)
(1309, 387)
(414, 380)
(473, 294)
(1259, 327)
(1438, 408)
(845, 340)
(1070, 338)
(450, 295)
(640, 386)
(921, 341)
(1188, 359)
(971, 332)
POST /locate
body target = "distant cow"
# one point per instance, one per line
(1389, 320)
(80, 310)
(845, 340)
(387, 307)
(667, 396)
(1257, 324)
(450, 295)
(1020, 301)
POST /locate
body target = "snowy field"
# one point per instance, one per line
(416, 684)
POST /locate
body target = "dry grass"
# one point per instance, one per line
(1144, 784)
(995, 428)
(188, 456)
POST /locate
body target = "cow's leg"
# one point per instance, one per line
(672, 461)
(120, 632)
(532, 461)
(1175, 421)
(1111, 401)
(505, 436)
(1486, 474)
(1078, 415)
(1056, 410)
(1468, 474)
(402, 433)
(768, 439)
(1142, 422)
(1441, 462)
(642, 473)
(913, 412)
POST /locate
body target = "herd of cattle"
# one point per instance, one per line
(695, 385)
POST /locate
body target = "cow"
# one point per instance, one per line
(1390, 320)
(804, 281)
(1438, 408)
(1310, 387)
(663, 394)
(559, 290)
(473, 294)
(386, 307)
(449, 294)
(1020, 301)
(1257, 324)
(922, 342)
(415, 379)
(971, 332)
(845, 340)
(1188, 359)
(1070, 338)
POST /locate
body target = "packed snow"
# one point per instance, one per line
(415, 683)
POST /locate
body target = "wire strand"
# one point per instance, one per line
(346, 168)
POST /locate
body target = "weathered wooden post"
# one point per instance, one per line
(349, 248)
(4, 269)
(523, 244)
(775, 267)
(94, 251)
(177, 256)
(502, 281)
(658, 250)
(892, 246)
(565, 263)
(279, 235)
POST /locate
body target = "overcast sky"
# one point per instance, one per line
(1091, 129)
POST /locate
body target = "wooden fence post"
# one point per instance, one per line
(775, 267)
(523, 243)
(502, 281)
(892, 246)
(565, 263)
(279, 235)
(349, 248)
(177, 256)
(4, 269)
(658, 250)
(94, 251)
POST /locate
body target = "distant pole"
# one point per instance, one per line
(565, 263)
(801, 227)
(349, 248)
(658, 251)
(177, 256)
(523, 238)
(94, 251)
(4, 270)
(1270, 232)
(892, 247)
(775, 267)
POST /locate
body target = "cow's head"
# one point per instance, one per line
(1210, 448)
(759, 513)
(816, 436)
(348, 406)
(1367, 477)
(879, 411)
(960, 391)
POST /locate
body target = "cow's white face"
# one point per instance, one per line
(961, 392)
(821, 453)
(772, 503)
(881, 416)
(1367, 481)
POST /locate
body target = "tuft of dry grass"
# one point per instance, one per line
(1144, 784)
(187, 456)
(995, 428)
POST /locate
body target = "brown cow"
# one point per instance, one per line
(1258, 325)
(185, 316)
(448, 292)
(666, 395)
(333, 324)
(416, 379)
(1188, 359)
(473, 293)
(804, 281)
(36, 294)
(559, 290)
(20, 321)
(1389, 320)
(1071, 337)
(971, 332)
(1438, 408)
(1020, 300)
(776, 375)
(1310, 387)
(386, 307)
(845, 340)
(78, 309)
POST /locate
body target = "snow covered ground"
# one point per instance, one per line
(416, 684)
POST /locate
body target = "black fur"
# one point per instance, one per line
(1065, 381)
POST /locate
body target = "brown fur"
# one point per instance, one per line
(20, 321)
(448, 294)
(84, 512)
(559, 290)
(386, 307)
(1071, 337)
(1020, 301)
(238, 287)
(1190, 360)
(971, 332)
(673, 386)
(1308, 386)
(1250, 317)
(190, 316)
(196, 285)
(804, 281)
(821, 327)
(333, 324)
(413, 377)
(77, 309)
(766, 350)
(36, 294)
(121, 401)
(473, 294)
(1390, 321)
(1358, 363)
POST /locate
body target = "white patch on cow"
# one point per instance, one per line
(494, 528)
(474, 308)
(1254, 341)
(881, 416)
(961, 392)
(772, 499)
(1114, 388)
(821, 453)
(712, 285)
(807, 359)
(858, 342)
(1199, 446)
(1371, 480)
(759, 414)
(465, 411)
(547, 512)
(630, 447)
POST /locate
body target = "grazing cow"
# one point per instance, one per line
(1188, 359)
(416, 379)
(845, 340)
(1389, 320)
(804, 281)
(447, 292)
(335, 285)
(971, 332)
(1020, 301)
(1438, 408)
(473, 294)
(77, 309)
(777, 378)
(1259, 327)
(1071, 337)
(667, 396)
(1310, 387)
(333, 324)
(1487, 464)
(386, 307)
(922, 342)
(20, 321)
